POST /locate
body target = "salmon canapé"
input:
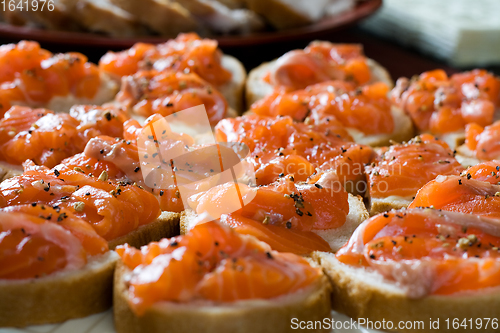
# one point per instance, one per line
(212, 263)
(38, 240)
(35, 77)
(483, 142)
(112, 208)
(320, 62)
(428, 252)
(279, 146)
(149, 92)
(402, 169)
(47, 137)
(186, 53)
(283, 214)
(366, 109)
(440, 104)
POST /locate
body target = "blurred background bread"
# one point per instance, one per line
(132, 18)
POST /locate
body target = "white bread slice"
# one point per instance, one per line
(165, 226)
(8, 170)
(249, 316)
(233, 90)
(257, 88)
(165, 17)
(361, 293)
(453, 139)
(336, 238)
(286, 14)
(61, 17)
(466, 157)
(381, 205)
(104, 17)
(233, 4)
(219, 18)
(60, 296)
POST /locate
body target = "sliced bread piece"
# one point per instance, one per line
(165, 17)
(233, 90)
(8, 170)
(60, 296)
(380, 205)
(59, 16)
(336, 238)
(285, 14)
(221, 19)
(364, 294)
(104, 17)
(466, 157)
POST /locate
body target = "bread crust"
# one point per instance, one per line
(381, 205)
(233, 91)
(466, 157)
(59, 296)
(256, 88)
(165, 226)
(359, 293)
(263, 316)
(278, 13)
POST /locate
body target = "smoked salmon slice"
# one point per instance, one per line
(149, 92)
(47, 138)
(332, 101)
(402, 169)
(320, 62)
(112, 208)
(212, 263)
(121, 159)
(486, 172)
(92, 243)
(483, 142)
(440, 104)
(186, 53)
(427, 251)
(475, 191)
(34, 243)
(279, 146)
